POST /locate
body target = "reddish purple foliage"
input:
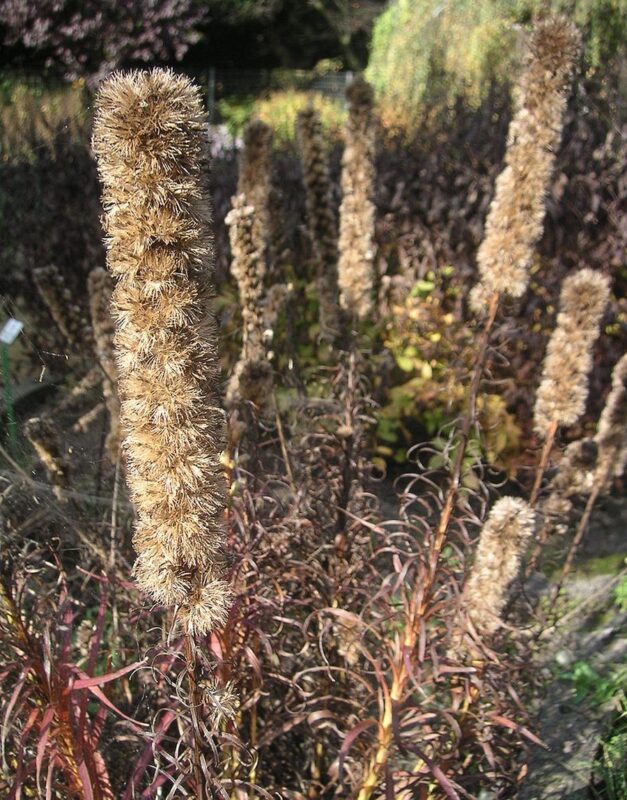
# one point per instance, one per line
(91, 38)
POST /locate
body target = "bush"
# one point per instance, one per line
(280, 109)
(427, 36)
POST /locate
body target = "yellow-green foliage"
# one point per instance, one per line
(458, 48)
(31, 116)
(280, 109)
(425, 338)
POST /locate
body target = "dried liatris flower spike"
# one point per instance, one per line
(254, 180)
(67, 315)
(100, 287)
(41, 434)
(252, 377)
(321, 220)
(515, 219)
(574, 475)
(149, 139)
(611, 437)
(587, 468)
(594, 460)
(563, 391)
(357, 211)
(502, 542)
(611, 441)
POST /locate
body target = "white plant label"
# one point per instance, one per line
(10, 331)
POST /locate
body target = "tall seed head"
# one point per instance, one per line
(357, 211)
(611, 436)
(321, 220)
(515, 219)
(502, 543)
(252, 377)
(150, 142)
(563, 390)
(254, 181)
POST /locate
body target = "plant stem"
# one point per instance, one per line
(579, 534)
(424, 588)
(544, 462)
(194, 704)
(533, 499)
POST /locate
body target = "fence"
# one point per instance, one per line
(222, 83)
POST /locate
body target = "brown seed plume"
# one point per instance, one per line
(590, 464)
(252, 377)
(502, 542)
(357, 211)
(100, 287)
(563, 390)
(255, 179)
(150, 142)
(611, 438)
(321, 220)
(574, 476)
(516, 216)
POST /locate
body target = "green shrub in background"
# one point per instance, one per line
(425, 52)
(280, 109)
(32, 112)
(235, 111)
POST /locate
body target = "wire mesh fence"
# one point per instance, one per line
(222, 83)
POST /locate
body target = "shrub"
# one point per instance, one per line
(280, 109)
(427, 36)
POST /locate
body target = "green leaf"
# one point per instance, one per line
(405, 363)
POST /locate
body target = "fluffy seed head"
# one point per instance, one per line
(252, 377)
(575, 475)
(563, 388)
(611, 436)
(515, 219)
(502, 542)
(357, 211)
(254, 180)
(150, 142)
(321, 220)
